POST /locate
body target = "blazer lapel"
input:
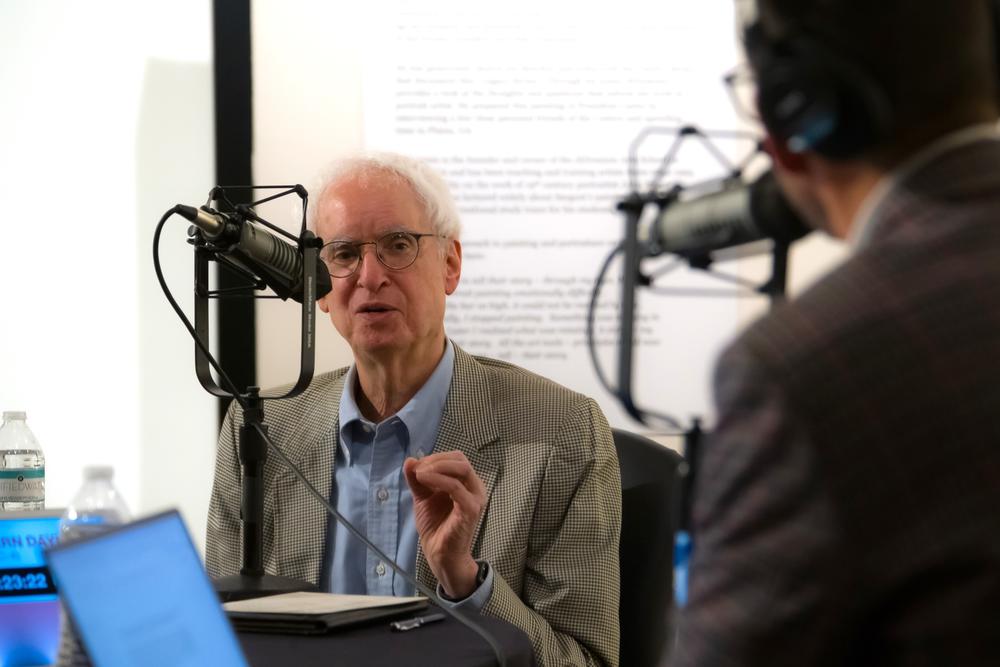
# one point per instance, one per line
(467, 425)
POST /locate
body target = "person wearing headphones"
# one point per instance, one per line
(845, 510)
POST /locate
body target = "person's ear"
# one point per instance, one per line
(453, 266)
(784, 158)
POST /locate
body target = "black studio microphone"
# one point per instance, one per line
(276, 262)
(737, 213)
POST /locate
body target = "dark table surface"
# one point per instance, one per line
(437, 644)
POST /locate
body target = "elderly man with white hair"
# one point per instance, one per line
(496, 485)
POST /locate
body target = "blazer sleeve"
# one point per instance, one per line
(768, 585)
(569, 603)
(223, 539)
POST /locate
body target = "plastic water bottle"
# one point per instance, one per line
(96, 507)
(22, 465)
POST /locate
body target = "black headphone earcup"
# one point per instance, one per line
(812, 100)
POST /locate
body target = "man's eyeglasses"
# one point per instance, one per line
(742, 88)
(395, 250)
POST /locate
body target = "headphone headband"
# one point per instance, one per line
(814, 100)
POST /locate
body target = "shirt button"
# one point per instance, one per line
(380, 569)
(367, 428)
(382, 495)
(420, 453)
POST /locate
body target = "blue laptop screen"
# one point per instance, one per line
(139, 596)
(29, 608)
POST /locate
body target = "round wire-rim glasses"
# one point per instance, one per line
(395, 250)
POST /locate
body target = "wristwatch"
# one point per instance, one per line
(481, 573)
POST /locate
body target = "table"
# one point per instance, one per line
(438, 644)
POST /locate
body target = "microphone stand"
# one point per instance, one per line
(775, 286)
(633, 278)
(634, 249)
(252, 581)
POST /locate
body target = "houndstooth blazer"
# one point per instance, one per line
(550, 527)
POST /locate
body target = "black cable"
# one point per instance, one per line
(591, 310)
(180, 313)
(592, 346)
(457, 614)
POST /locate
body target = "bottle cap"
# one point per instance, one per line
(13, 415)
(98, 472)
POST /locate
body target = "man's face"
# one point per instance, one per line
(376, 309)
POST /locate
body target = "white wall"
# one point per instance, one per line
(308, 79)
(106, 122)
(327, 81)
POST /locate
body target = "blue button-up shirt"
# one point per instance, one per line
(371, 492)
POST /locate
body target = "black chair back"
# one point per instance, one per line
(646, 550)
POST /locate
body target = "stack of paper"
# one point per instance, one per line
(316, 613)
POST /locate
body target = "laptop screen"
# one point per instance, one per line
(29, 608)
(138, 595)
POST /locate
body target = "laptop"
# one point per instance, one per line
(138, 595)
(29, 606)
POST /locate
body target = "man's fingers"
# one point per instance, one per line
(459, 469)
(451, 455)
(470, 503)
(410, 472)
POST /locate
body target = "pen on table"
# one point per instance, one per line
(416, 622)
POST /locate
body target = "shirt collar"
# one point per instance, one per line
(421, 415)
(864, 223)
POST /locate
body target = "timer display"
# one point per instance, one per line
(25, 581)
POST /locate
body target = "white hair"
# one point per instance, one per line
(429, 186)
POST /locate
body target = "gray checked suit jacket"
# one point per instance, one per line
(549, 530)
(847, 509)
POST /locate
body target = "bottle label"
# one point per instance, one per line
(22, 485)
